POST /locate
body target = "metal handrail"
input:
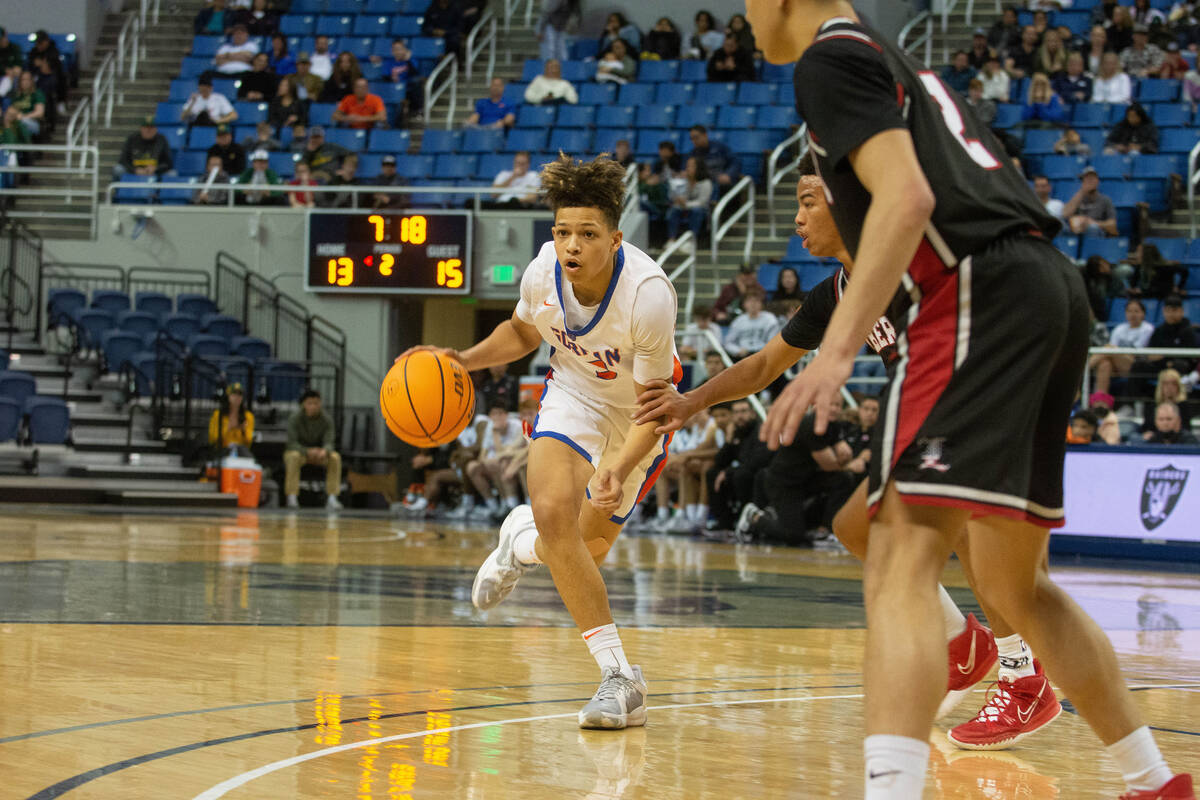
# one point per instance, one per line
(715, 341)
(925, 38)
(510, 9)
(475, 47)
(104, 88)
(79, 127)
(1178, 352)
(129, 45)
(629, 199)
(449, 65)
(232, 188)
(776, 173)
(687, 245)
(149, 9)
(1193, 177)
(89, 161)
(719, 230)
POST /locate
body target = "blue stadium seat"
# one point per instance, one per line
(250, 113)
(1171, 115)
(10, 419)
(368, 25)
(328, 25)
(369, 165)
(605, 140)
(658, 71)
(384, 7)
(448, 166)
(615, 116)
(360, 47)
(1112, 166)
(307, 6)
(590, 94)
(750, 142)
(194, 66)
(1111, 249)
(250, 347)
(796, 251)
(1093, 138)
(180, 91)
(492, 164)
(674, 94)
(1089, 115)
(1122, 193)
(321, 114)
(353, 139)
(755, 94)
(436, 140)
(738, 118)
(111, 300)
(19, 386)
(1152, 166)
(195, 304)
(481, 140)
(811, 274)
(654, 116)
(427, 47)
(390, 141)
(203, 344)
(145, 368)
(236, 368)
(178, 197)
(536, 116)
(154, 303)
(646, 144)
(168, 113)
(1171, 248)
(575, 116)
(136, 194)
(777, 117)
(206, 45)
(693, 71)
(416, 6)
(1007, 115)
(1158, 90)
(571, 141)
(392, 94)
(1040, 142)
(1068, 245)
(1059, 167)
(118, 347)
(297, 24)
(221, 325)
(414, 167)
(1191, 308)
(64, 301)
(284, 382)
(181, 326)
(785, 94)
(138, 323)
(687, 116)
(583, 49)
(578, 71)
(202, 138)
(716, 94)
(49, 420)
(532, 68)
(526, 139)
(406, 26)
(778, 73)
(636, 94)
(1178, 140)
(283, 162)
(343, 7)
(768, 275)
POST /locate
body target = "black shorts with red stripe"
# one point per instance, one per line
(991, 359)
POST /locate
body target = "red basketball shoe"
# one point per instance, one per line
(1012, 712)
(1178, 788)
(971, 655)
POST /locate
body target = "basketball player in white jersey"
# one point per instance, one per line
(608, 312)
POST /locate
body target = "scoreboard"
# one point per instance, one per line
(361, 251)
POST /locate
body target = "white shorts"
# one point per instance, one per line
(594, 433)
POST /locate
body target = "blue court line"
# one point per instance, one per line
(75, 781)
(240, 706)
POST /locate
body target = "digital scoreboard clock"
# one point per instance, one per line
(426, 252)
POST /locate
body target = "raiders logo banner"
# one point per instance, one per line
(1161, 491)
(1133, 493)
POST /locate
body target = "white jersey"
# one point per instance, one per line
(600, 352)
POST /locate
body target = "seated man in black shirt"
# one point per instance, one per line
(731, 478)
(498, 386)
(1168, 427)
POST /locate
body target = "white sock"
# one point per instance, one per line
(895, 767)
(523, 546)
(1016, 659)
(952, 618)
(1141, 764)
(605, 645)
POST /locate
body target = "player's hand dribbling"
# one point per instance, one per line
(441, 351)
(817, 385)
(662, 401)
(605, 490)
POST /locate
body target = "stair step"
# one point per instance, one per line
(133, 471)
(129, 497)
(112, 446)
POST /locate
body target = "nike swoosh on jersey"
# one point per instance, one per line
(970, 657)
(547, 303)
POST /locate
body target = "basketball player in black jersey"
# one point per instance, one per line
(971, 648)
(992, 347)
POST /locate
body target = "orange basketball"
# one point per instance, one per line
(427, 399)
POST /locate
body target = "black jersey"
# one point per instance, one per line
(807, 326)
(851, 84)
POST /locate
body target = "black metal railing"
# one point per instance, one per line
(20, 276)
(169, 281)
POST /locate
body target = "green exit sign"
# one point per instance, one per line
(504, 274)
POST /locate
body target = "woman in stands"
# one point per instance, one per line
(706, 39)
(287, 109)
(787, 286)
(231, 425)
(341, 80)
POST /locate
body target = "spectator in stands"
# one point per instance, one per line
(520, 185)
(444, 18)
(1142, 59)
(623, 153)
(346, 175)
(235, 55)
(663, 41)
(1120, 29)
(206, 107)
(144, 153)
(1145, 14)
(984, 109)
(1176, 331)
(1051, 56)
(751, 331)
(857, 434)
(214, 176)
(503, 440)
(706, 39)
(693, 341)
(1103, 12)
(321, 58)
(1103, 285)
(1111, 84)
(1093, 54)
(714, 365)
(995, 81)
(979, 53)
(1174, 65)
(492, 111)
(1042, 107)
(616, 26)
(47, 79)
(1135, 332)
(303, 178)
(232, 424)
(669, 163)
(13, 132)
(729, 301)
(1169, 388)
(340, 83)
(213, 19)
(310, 441)
(549, 88)
(322, 157)
(286, 109)
(389, 177)
(259, 19)
(259, 175)
(1020, 60)
(299, 139)
(1074, 85)
(1042, 188)
(401, 67)
(259, 84)
(740, 28)
(30, 103)
(1134, 134)
(1005, 33)
(1168, 427)
(1072, 41)
(958, 73)
(731, 62)
(308, 83)
(1101, 405)
(498, 388)
(731, 479)
(787, 286)
(1084, 426)
(279, 59)
(616, 65)
(361, 109)
(690, 199)
(1041, 23)
(1088, 211)
(232, 154)
(559, 18)
(263, 139)
(723, 166)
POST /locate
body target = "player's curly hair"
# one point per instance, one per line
(600, 184)
(807, 166)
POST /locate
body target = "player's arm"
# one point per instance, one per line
(605, 485)
(749, 376)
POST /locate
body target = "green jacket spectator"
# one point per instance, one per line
(259, 174)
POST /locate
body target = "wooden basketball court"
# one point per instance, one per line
(160, 655)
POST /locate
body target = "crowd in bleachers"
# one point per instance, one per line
(36, 71)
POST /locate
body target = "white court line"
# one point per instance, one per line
(221, 789)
